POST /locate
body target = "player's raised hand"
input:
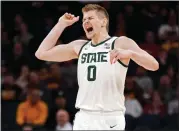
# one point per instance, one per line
(119, 54)
(68, 19)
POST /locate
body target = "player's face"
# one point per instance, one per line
(92, 24)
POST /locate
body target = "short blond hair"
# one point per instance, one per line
(98, 8)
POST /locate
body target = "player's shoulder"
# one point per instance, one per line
(121, 41)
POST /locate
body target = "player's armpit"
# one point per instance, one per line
(63, 52)
(140, 56)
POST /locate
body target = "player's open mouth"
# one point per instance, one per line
(89, 29)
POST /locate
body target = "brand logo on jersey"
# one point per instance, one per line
(113, 126)
(94, 57)
(107, 45)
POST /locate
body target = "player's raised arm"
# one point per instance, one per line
(49, 52)
(129, 49)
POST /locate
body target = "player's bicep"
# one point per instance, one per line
(59, 53)
(62, 52)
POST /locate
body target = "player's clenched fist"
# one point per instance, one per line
(119, 54)
(68, 19)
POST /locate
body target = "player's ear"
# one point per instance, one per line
(104, 22)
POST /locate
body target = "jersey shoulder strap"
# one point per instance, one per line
(83, 47)
(112, 47)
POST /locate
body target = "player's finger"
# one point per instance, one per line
(76, 19)
(67, 16)
(71, 16)
(117, 56)
(113, 54)
(114, 60)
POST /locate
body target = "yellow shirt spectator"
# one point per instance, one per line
(33, 111)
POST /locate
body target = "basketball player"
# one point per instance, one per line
(102, 67)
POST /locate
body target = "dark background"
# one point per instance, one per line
(153, 25)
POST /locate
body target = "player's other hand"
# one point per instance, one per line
(119, 54)
(68, 19)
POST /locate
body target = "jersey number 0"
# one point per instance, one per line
(91, 73)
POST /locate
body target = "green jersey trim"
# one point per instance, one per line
(82, 48)
(118, 59)
(100, 42)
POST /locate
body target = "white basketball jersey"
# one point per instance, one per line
(101, 84)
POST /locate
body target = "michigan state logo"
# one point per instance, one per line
(94, 57)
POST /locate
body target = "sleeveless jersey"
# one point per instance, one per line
(101, 84)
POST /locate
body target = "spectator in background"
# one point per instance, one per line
(54, 80)
(58, 104)
(173, 105)
(163, 61)
(171, 26)
(134, 89)
(143, 80)
(60, 101)
(33, 112)
(18, 59)
(165, 88)
(133, 107)
(22, 80)
(24, 35)
(62, 119)
(9, 90)
(43, 74)
(34, 78)
(152, 19)
(172, 75)
(172, 41)
(149, 44)
(32, 82)
(69, 81)
(156, 107)
(35, 81)
(18, 20)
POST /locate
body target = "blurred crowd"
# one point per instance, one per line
(39, 95)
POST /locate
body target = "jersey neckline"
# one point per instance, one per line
(100, 42)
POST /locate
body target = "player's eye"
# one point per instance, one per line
(91, 18)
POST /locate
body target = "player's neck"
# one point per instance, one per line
(100, 37)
